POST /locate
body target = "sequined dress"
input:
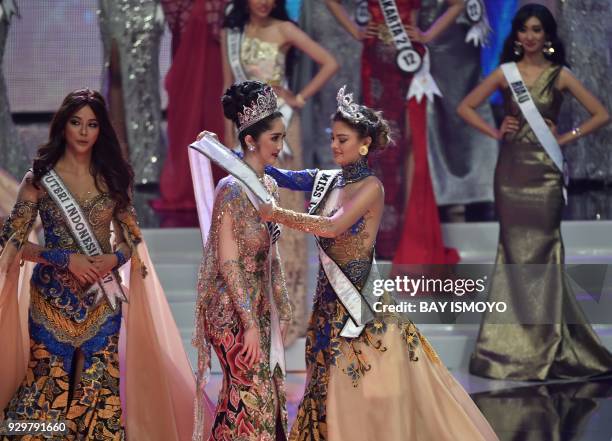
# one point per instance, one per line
(265, 61)
(62, 319)
(549, 334)
(135, 28)
(388, 383)
(234, 286)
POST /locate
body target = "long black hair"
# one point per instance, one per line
(107, 160)
(550, 28)
(238, 16)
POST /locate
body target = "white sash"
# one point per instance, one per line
(408, 59)
(81, 231)
(347, 293)
(362, 15)
(323, 181)
(234, 43)
(535, 120)
(476, 12)
(277, 350)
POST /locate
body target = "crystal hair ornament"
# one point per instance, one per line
(348, 108)
(265, 105)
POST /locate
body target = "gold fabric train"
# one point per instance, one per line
(529, 203)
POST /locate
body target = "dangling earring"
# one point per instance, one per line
(251, 147)
(518, 48)
(363, 150)
(548, 49)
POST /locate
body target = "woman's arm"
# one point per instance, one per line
(467, 107)
(455, 8)
(369, 195)
(297, 180)
(343, 18)
(599, 114)
(328, 64)
(231, 264)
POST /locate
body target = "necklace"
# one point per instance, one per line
(354, 172)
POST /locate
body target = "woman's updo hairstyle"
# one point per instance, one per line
(241, 95)
(373, 125)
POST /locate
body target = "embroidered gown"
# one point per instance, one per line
(529, 204)
(386, 384)
(234, 286)
(63, 319)
(265, 61)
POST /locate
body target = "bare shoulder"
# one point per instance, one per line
(566, 77)
(286, 27)
(373, 185)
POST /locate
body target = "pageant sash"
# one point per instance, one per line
(476, 13)
(82, 232)
(277, 351)
(234, 43)
(350, 297)
(226, 159)
(256, 192)
(408, 59)
(203, 189)
(322, 183)
(535, 120)
(362, 15)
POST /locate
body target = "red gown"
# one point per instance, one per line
(414, 219)
(194, 84)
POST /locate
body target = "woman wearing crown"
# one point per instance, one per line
(371, 377)
(258, 41)
(243, 305)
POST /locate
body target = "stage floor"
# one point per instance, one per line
(542, 411)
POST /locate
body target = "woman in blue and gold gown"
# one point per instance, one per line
(63, 346)
(387, 383)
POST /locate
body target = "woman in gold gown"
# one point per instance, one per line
(268, 40)
(548, 336)
(387, 382)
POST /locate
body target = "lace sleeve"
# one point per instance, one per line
(231, 265)
(19, 223)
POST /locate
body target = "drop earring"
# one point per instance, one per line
(548, 48)
(518, 48)
(363, 150)
(251, 147)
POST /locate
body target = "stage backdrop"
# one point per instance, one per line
(54, 48)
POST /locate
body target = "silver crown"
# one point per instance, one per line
(265, 105)
(347, 107)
